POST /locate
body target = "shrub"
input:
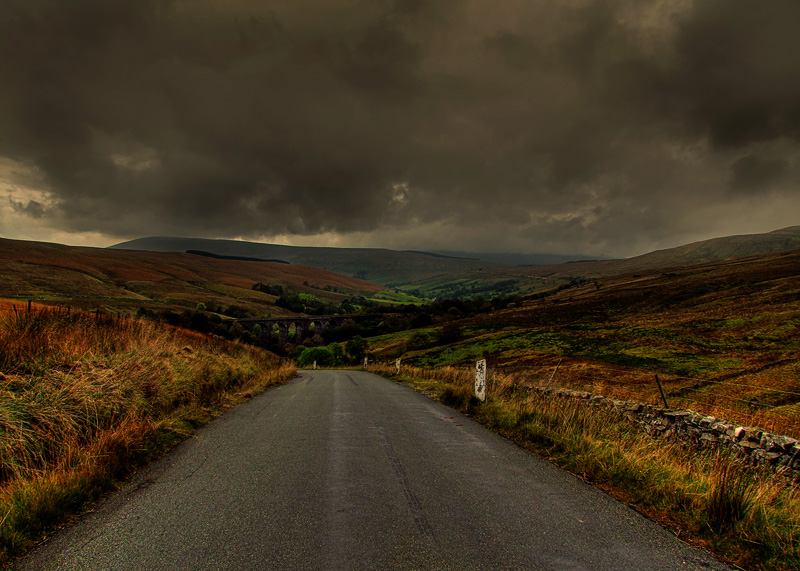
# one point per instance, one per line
(322, 355)
(338, 353)
(421, 320)
(356, 348)
(450, 333)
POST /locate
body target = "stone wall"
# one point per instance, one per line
(705, 431)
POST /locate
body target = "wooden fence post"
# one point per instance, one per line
(661, 390)
(553, 376)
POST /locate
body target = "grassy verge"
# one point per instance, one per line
(746, 516)
(85, 399)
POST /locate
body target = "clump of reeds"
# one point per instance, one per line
(732, 493)
(84, 397)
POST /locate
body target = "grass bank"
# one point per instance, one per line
(84, 399)
(747, 516)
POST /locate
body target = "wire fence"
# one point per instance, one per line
(773, 406)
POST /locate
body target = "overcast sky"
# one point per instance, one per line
(606, 127)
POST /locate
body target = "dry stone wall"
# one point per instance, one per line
(705, 431)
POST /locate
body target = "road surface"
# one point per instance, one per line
(346, 470)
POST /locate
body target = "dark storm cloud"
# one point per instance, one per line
(741, 75)
(32, 208)
(587, 119)
(755, 173)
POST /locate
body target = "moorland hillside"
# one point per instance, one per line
(465, 275)
(722, 336)
(123, 280)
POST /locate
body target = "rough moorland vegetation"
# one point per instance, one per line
(84, 398)
(749, 516)
(722, 338)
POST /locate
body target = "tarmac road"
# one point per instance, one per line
(346, 470)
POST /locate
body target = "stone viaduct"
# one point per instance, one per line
(305, 325)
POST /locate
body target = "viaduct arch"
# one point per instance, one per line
(303, 325)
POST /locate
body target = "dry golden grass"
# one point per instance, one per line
(85, 397)
(748, 516)
(732, 400)
(16, 306)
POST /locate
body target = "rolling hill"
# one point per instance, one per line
(722, 337)
(536, 278)
(375, 264)
(715, 249)
(127, 280)
(477, 275)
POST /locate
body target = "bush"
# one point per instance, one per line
(356, 348)
(421, 320)
(420, 340)
(322, 355)
(338, 353)
(450, 333)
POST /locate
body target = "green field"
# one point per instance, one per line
(730, 326)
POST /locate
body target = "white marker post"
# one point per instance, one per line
(397, 366)
(314, 365)
(480, 380)
(366, 361)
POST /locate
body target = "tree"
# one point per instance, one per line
(421, 320)
(450, 333)
(420, 340)
(356, 348)
(199, 321)
(322, 355)
(236, 331)
(338, 353)
(314, 341)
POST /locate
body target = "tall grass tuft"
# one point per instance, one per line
(732, 493)
(84, 398)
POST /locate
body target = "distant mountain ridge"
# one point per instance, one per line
(516, 259)
(375, 264)
(434, 273)
(704, 251)
(738, 246)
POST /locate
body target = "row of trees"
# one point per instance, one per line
(473, 291)
(381, 319)
(202, 321)
(334, 354)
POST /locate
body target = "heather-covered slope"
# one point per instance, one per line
(375, 264)
(121, 279)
